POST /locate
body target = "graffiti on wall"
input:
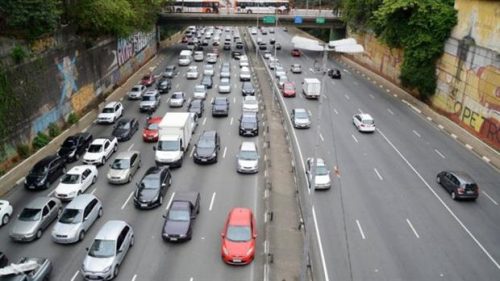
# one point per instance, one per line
(133, 45)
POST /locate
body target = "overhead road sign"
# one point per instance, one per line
(320, 20)
(269, 19)
(298, 20)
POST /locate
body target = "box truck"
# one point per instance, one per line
(311, 88)
(174, 136)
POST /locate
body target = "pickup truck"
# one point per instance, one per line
(180, 216)
(27, 269)
(100, 150)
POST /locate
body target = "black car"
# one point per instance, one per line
(207, 81)
(239, 45)
(196, 106)
(170, 71)
(75, 146)
(45, 172)
(334, 73)
(227, 46)
(263, 47)
(459, 184)
(179, 219)
(164, 86)
(272, 41)
(220, 106)
(277, 45)
(125, 129)
(236, 55)
(249, 124)
(152, 188)
(207, 148)
(247, 89)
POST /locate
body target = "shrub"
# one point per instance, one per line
(18, 54)
(23, 150)
(40, 140)
(73, 118)
(54, 130)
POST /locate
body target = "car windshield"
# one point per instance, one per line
(368, 121)
(248, 155)
(168, 145)
(224, 82)
(247, 86)
(124, 124)
(71, 216)
(152, 126)
(150, 182)
(70, 178)
(170, 68)
(206, 79)
(120, 164)
(289, 87)
(108, 110)
(28, 214)
(199, 88)
(39, 169)
(148, 98)
(220, 102)
(177, 96)
(238, 233)
(205, 143)
(69, 143)
(248, 119)
(136, 89)
(102, 248)
(178, 215)
(147, 77)
(95, 148)
(250, 102)
(321, 170)
(301, 115)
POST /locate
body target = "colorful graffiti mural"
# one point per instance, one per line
(133, 45)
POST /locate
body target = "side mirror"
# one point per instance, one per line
(255, 236)
(87, 249)
(222, 234)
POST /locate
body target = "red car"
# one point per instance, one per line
(295, 53)
(150, 133)
(238, 237)
(148, 80)
(288, 89)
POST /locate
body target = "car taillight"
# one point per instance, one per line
(460, 190)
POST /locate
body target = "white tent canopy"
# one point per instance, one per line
(348, 45)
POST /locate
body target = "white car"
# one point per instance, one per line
(243, 63)
(282, 80)
(198, 56)
(136, 92)
(100, 150)
(110, 113)
(322, 175)
(192, 72)
(200, 92)
(364, 122)
(245, 74)
(247, 158)
(211, 58)
(267, 55)
(208, 69)
(280, 72)
(177, 99)
(224, 85)
(5, 212)
(250, 104)
(253, 31)
(76, 181)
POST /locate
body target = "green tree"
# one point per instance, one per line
(31, 18)
(359, 13)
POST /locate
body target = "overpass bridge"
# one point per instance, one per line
(299, 18)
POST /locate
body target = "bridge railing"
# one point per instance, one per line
(337, 13)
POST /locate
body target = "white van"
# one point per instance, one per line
(311, 87)
(185, 57)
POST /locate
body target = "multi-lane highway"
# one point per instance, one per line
(385, 217)
(220, 186)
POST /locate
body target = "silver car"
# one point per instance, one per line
(224, 85)
(321, 176)
(150, 101)
(300, 118)
(35, 218)
(76, 219)
(124, 167)
(177, 99)
(208, 69)
(108, 250)
(247, 158)
(200, 92)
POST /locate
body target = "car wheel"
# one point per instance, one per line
(103, 160)
(77, 156)
(81, 235)
(99, 213)
(94, 179)
(169, 181)
(438, 179)
(39, 234)
(132, 240)
(115, 148)
(453, 195)
(129, 178)
(116, 271)
(160, 200)
(5, 219)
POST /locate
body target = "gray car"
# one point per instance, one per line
(108, 250)
(76, 219)
(247, 158)
(150, 101)
(124, 167)
(35, 218)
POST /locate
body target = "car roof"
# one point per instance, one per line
(240, 216)
(39, 202)
(154, 170)
(365, 116)
(249, 114)
(126, 154)
(81, 201)
(99, 141)
(155, 119)
(112, 104)
(463, 177)
(110, 230)
(248, 145)
(208, 134)
(221, 98)
(79, 169)
(249, 98)
(300, 110)
(47, 160)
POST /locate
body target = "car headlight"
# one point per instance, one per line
(214, 154)
(107, 269)
(249, 251)
(72, 154)
(25, 181)
(224, 249)
(182, 235)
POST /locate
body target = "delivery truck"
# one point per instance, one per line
(174, 136)
(311, 88)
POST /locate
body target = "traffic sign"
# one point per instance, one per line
(269, 19)
(320, 20)
(298, 20)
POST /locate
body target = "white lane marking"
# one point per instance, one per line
(335, 110)
(412, 228)
(486, 252)
(395, 95)
(429, 118)
(231, 123)
(453, 136)
(416, 133)
(489, 197)
(320, 244)
(128, 199)
(361, 230)
(130, 147)
(212, 202)
(191, 154)
(170, 200)
(486, 159)
(321, 137)
(378, 174)
(74, 276)
(204, 121)
(265, 173)
(191, 279)
(266, 246)
(355, 139)
(469, 147)
(347, 97)
(234, 100)
(93, 191)
(19, 181)
(372, 96)
(177, 86)
(133, 278)
(439, 153)
(390, 111)
(440, 126)
(224, 154)
(212, 100)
